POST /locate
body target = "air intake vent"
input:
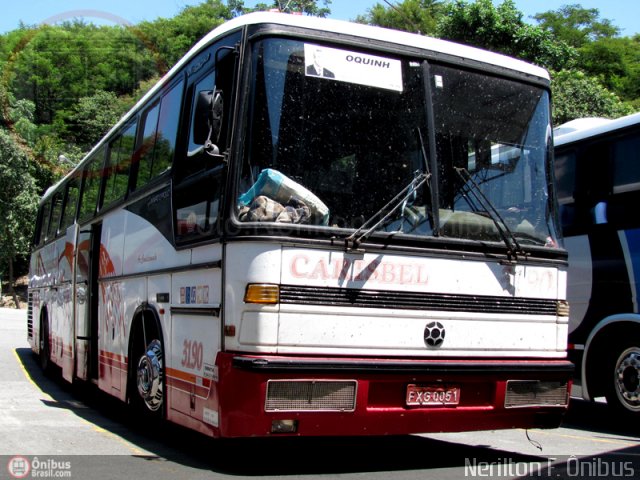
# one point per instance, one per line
(533, 393)
(30, 315)
(310, 396)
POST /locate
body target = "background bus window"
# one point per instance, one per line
(159, 138)
(71, 204)
(626, 158)
(120, 153)
(89, 201)
(565, 186)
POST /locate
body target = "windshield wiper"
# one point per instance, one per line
(432, 212)
(505, 232)
(354, 240)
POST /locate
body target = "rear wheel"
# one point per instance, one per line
(45, 347)
(623, 385)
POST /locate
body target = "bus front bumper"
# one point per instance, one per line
(263, 395)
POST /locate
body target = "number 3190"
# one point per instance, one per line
(192, 354)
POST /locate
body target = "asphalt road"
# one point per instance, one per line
(50, 429)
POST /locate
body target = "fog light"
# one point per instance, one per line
(284, 426)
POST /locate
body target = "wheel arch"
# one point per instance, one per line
(145, 321)
(612, 327)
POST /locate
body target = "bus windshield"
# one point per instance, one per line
(335, 134)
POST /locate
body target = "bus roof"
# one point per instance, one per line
(334, 26)
(377, 33)
(582, 128)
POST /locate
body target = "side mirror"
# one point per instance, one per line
(208, 117)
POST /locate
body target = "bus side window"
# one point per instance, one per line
(145, 151)
(199, 172)
(196, 158)
(160, 136)
(565, 186)
(626, 158)
(71, 204)
(90, 196)
(119, 165)
(45, 211)
(197, 193)
(56, 212)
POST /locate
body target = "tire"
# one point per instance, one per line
(44, 355)
(623, 380)
(149, 378)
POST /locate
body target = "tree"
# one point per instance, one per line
(501, 29)
(18, 205)
(307, 7)
(602, 53)
(576, 25)
(171, 38)
(576, 95)
(417, 16)
(92, 117)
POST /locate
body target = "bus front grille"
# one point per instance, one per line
(534, 393)
(310, 396)
(354, 297)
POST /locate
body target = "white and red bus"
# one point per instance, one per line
(313, 227)
(598, 179)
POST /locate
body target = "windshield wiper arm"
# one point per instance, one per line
(355, 239)
(432, 211)
(505, 232)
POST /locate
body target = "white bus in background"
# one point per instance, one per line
(312, 227)
(598, 175)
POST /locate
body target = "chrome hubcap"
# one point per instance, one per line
(149, 376)
(627, 378)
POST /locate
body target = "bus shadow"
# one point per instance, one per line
(267, 456)
(599, 418)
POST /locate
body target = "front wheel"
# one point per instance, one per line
(150, 376)
(623, 386)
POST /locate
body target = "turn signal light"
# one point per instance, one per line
(265, 293)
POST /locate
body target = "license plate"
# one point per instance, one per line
(432, 396)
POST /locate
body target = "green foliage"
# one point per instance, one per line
(92, 117)
(501, 29)
(577, 95)
(576, 26)
(307, 7)
(172, 38)
(56, 66)
(18, 200)
(417, 16)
